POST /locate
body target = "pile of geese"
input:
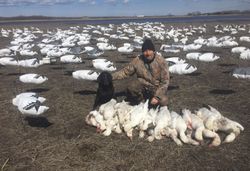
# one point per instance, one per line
(157, 123)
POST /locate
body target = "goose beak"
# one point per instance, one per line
(98, 129)
(189, 125)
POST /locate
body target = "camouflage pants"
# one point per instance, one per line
(137, 93)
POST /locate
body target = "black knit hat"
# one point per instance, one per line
(148, 45)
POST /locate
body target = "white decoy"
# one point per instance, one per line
(182, 68)
(85, 75)
(5, 52)
(192, 47)
(18, 98)
(245, 38)
(70, 59)
(102, 39)
(46, 48)
(30, 104)
(105, 46)
(68, 44)
(33, 78)
(97, 32)
(170, 49)
(14, 49)
(238, 49)
(193, 55)
(32, 63)
(138, 40)
(9, 61)
(245, 54)
(201, 41)
(175, 60)
(57, 52)
(104, 65)
(208, 57)
(242, 72)
(31, 107)
(95, 53)
(123, 37)
(87, 49)
(27, 52)
(126, 48)
(101, 60)
(205, 57)
(229, 43)
(83, 42)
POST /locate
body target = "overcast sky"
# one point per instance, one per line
(76, 8)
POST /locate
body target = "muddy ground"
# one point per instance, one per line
(61, 140)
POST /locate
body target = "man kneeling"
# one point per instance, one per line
(152, 74)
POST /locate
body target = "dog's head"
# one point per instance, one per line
(105, 79)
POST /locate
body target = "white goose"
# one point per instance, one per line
(197, 126)
(137, 115)
(179, 125)
(162, 120)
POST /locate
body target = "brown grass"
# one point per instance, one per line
(63, 141)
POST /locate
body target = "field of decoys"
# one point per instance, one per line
(48, 87)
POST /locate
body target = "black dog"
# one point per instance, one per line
(105, 91)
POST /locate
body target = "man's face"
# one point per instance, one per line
(149, 54)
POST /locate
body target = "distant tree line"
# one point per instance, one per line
(36, 17)
(195, 13)
(219, 12)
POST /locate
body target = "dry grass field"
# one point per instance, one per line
(61, 140)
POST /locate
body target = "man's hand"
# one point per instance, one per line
(154, 101)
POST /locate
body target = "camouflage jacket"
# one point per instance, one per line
(153, 76)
